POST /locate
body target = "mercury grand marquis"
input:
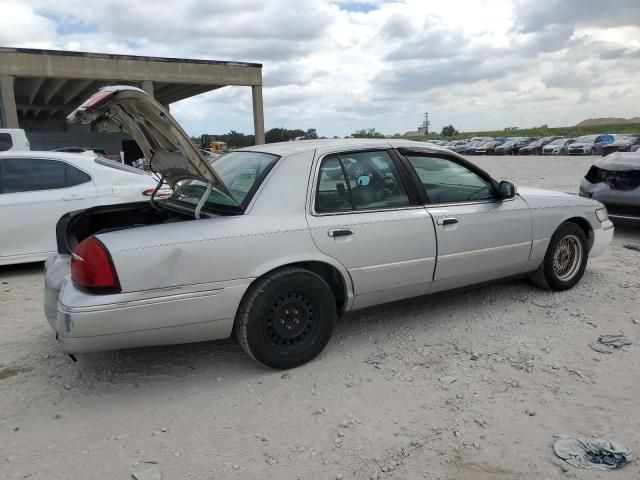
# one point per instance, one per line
(273, 242)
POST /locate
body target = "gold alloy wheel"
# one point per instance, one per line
(567, 258)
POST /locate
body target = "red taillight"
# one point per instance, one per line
(92, 268)
(162, 193)
(98, 99)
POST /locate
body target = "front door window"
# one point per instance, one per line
(446, 181)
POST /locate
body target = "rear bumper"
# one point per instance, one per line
(86, 322)
(602, 239)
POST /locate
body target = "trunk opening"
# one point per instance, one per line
(74, 227)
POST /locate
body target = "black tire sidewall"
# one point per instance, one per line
(321, 296)
(567, 229)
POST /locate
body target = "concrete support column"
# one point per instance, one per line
(147, 86)
(258, 113)
(8, 102)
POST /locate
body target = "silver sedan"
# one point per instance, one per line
(274, 242)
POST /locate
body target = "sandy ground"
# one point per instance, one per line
(470, 385)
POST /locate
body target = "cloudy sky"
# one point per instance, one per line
(342, 65)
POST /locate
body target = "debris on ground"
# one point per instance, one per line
(632, 246)
(448, 379)
(152, 472)
(592, 453)
(609, 343)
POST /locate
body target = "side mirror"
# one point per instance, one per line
(506, 190)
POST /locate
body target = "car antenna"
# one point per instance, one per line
(205, 195)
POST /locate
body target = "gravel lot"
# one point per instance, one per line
(470, 385)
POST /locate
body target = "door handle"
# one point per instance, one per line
(75, 197)
(339, 232)
(446, 220)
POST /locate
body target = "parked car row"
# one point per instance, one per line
(603, 144)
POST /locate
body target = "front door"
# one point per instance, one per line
(480, 237)
(362, 216)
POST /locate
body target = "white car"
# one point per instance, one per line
(37, 188)
(14, 140)
(273, 242)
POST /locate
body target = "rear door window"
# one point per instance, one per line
(74, 176)
(31, 174)
(6, 143)
(359, 181)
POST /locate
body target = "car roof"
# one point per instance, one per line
(65, 156)
(292, 148)
(11, 130)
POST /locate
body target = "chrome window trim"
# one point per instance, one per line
(476, 202)
(377, 210)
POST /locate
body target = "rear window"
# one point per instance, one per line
(241, 172)
(105, 162)
(6, 143)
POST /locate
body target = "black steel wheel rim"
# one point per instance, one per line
(292, 321)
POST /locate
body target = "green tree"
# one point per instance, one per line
(367, 133)
(282, 135)
(448, 131)
(311, 134)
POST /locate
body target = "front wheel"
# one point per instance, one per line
(286, 318)
(565, 260)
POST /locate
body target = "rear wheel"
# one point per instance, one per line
(565, 260)
(286, 318)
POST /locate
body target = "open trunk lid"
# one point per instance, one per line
(164, 143)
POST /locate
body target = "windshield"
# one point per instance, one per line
(558, 141)
(586, 139)
(241, 172)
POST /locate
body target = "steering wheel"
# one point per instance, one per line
(384, 188)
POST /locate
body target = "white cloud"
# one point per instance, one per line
(21, 26)
(342, 65)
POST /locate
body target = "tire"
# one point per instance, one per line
(304, 308)
(569, 241)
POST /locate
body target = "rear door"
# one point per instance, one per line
(480, 237)
(365, 214)
(34, 194)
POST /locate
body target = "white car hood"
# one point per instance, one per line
(164, 143)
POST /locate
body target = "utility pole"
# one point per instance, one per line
(426, 123)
